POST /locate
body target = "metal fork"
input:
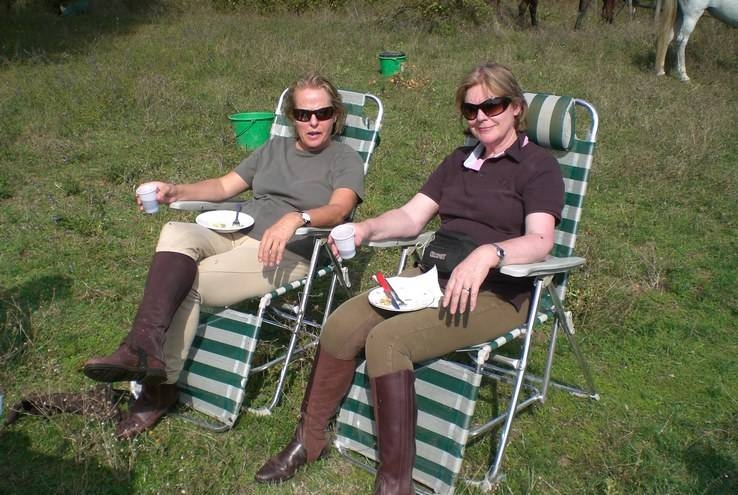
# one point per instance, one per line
(236, 223)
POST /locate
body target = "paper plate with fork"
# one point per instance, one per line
(224, 220)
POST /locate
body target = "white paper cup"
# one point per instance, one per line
(147, 195)
(343, 236)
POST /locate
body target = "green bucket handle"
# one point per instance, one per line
(245, 130)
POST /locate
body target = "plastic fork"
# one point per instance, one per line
(236, 223)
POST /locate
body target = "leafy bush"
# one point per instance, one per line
(270, 6)
(438, 16)
(443, 16)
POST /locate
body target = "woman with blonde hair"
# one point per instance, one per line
(309, 179)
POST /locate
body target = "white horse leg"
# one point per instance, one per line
(686, 27)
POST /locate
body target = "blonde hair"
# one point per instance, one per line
(316, 81)
(498, 80)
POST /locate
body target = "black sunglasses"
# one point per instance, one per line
(302, 115)
(490, 107)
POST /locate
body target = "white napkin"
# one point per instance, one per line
(424, 283)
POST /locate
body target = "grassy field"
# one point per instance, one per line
(92, 105)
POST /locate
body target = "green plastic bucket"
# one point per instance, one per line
(251, 128)
(390, 63)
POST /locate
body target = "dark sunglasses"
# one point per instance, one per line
(490, 107)
(302, 115)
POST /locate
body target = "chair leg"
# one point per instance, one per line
(295, 331)
(564, 318)
(395, 416)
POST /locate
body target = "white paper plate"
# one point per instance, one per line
(222, 220)
(413, 301)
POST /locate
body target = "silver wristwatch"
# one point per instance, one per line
(305, 218)
(500, 255)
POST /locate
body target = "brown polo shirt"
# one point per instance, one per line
(491, 204)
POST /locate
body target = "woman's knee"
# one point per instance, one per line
(335, 338)
(179, 237)
(345, 331)
(386, 353)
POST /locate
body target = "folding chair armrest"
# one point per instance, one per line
(205, 205)
(404, 242)
(550, 266)
(312, 232)
(391, 243)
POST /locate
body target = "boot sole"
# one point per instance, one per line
(109, 374)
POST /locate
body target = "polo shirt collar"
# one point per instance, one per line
(475, 161)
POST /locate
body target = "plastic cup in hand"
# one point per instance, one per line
(147, 195)
(343, 236)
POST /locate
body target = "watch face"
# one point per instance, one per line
(305, 217)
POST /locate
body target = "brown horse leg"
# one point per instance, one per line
(583, 6)
(522, 7)
(608, 10)
(532, 6)
(533, 12)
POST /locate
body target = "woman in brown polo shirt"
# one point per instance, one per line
(505, 193)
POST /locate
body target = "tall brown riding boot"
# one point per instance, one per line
(151, 405)
(395, 417)
(329, 382)
(141, 355)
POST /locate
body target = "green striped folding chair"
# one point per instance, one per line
(447, 389)
(214, 378)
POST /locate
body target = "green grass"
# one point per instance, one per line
(92, 105)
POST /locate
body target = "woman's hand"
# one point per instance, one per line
(275, 239)
(463, 285)
(360, 230)
(215, 190)
(164, 193)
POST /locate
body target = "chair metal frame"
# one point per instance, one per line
(355, 429)
(238, 333)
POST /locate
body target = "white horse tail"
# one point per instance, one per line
(665, 33)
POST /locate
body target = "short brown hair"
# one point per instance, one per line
(316, 81)
(500, 81)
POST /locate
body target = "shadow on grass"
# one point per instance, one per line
(716, 471)
(37, 33)
(16, 306)
(24, 470)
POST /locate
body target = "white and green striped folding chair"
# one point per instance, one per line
(219, 365)
(447, 389)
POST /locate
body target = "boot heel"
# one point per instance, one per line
(125, 364)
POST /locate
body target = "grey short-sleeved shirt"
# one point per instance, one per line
(285, 179)
(491, 204)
